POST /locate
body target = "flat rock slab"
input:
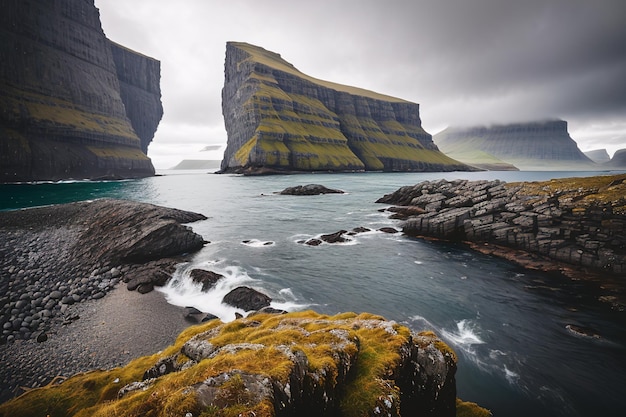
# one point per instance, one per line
(309, 189)
(55, 256)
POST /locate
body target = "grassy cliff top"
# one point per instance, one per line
(274, 60)
(582, 192)
(226, 369)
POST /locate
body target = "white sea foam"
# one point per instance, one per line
(255, 243)
(466, 335)
(511, 377)
(182, 291)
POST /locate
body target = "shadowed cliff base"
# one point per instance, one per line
(280, 120)
(74, 105)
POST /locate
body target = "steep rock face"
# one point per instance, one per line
(618, 161)
(530, 146)
(140, 90)
(297, 364)
(599, 156)
(63, 114)
(278, 118)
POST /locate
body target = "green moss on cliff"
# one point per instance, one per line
(274, 60)
(55, 114)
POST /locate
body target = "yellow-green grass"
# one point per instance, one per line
(274, 60)
(374, 343)
(581, 192)
(55, 113)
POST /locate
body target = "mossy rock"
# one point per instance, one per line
(300, 363)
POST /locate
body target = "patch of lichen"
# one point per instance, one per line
(581, 192)
(57, 114)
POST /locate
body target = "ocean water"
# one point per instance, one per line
(508, 326)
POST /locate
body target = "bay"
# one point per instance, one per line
(507, 325)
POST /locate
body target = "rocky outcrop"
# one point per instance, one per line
(73, 104)
(599, 156)
(618, 161)
(544, 146)
(279, 119)
(310, 189)
(55, 256)
(576, 221)
(296, 364)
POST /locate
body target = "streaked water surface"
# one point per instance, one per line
(509, 326)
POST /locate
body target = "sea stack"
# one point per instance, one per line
(533, 146)
(72, 103)
(280, 120)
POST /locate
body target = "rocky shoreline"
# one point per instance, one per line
(54, 260)
(573, 226)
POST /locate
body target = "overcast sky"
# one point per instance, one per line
(467, 62)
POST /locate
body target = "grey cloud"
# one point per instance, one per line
(462, 60)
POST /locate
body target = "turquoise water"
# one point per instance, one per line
(508, 325)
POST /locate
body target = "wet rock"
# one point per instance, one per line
(208, 279)
(247, 299)
(310, 189)
(336, 237)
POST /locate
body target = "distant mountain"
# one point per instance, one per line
(198, 164)
(533, 146)
(598, 156)
(618, 161)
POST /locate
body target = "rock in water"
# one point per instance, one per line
(247, 299)
(208, 279)
(279, 119)
(74, 104)
(309, 189)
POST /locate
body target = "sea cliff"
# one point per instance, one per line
(543, 145)
(279, 119)
(72, 104)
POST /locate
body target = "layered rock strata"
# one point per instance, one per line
(72, 104)
(297, 364)
(279, 119)
(577, 221)
(545, 146)
(53, 257)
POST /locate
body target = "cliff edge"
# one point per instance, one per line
(279, 119)
(72, 103)
(296, 364)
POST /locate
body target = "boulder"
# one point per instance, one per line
(310, 189)
(336, 237)
(247, 299)
(208, 279)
